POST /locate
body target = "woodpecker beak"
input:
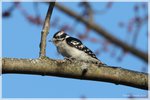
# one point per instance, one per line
(52, 40)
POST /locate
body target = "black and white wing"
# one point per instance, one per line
(73, 42)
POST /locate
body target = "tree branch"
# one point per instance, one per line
(77, 70)
(45, 29)
(104, 33)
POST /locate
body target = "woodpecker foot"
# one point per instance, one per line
(69, 59)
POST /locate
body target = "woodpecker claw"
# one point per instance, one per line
(69, 59)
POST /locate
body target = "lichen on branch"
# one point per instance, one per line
(75, 69)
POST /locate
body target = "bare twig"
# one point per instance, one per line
(75, 70)
(45, 29)
(104, 33)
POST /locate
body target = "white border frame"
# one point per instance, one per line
(70, 1)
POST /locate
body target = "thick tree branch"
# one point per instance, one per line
(45, 30)
(77, 70)
(104, 33)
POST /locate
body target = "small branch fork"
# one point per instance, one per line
(45, 30)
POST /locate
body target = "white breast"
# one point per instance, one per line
(68, 51)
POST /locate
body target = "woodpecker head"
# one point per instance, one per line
(59, 37)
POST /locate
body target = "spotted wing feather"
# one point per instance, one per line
(73, 42)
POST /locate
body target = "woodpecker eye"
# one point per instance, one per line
(57, 37)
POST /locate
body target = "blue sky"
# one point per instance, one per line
(20, 39)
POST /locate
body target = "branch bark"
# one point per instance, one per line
(45, 29)
(104, 33)
(77, 70)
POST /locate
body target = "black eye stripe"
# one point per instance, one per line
(63, 35)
